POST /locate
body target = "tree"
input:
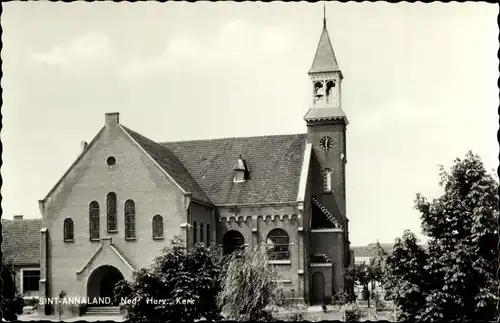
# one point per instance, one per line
(12, 303)
(405, 276)
(181, 286)
(367, 274)
(249, 291)
(458, 279)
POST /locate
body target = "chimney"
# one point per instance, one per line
(83, 144)
(18, 217)
(112, 119)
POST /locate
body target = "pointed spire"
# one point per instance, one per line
(324, 60)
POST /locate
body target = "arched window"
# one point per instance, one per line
(129, 220)
(94, 220)
(195, 235)
(319, 90)
(327, 180)
(68, 230)
(232, 240)
(278, 243)
(208, 235)
(330, 88)
(157, 227)
(111, 203)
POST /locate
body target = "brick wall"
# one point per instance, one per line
(203, 215)
(255, 223)
(330, 244)
(134, 176)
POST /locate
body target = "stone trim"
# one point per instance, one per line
(304, 173)
(326, 230)
(279, 262)
(321, 264)
(87, 264)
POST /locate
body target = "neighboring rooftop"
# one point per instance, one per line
(370, 250)
(21, 241)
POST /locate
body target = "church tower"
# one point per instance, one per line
(326, 122)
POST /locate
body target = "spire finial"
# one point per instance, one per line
(324, 14)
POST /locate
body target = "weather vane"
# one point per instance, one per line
(324, 13)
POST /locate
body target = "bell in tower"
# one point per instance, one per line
(326, 79)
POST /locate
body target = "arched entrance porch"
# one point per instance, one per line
(101, 284)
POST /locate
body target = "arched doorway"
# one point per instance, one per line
(233, 240)
(318, 288)
(101, 285)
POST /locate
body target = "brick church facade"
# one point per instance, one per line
(126, 196)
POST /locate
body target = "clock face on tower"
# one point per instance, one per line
(326, 143)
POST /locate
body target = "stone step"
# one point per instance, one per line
(103, 310)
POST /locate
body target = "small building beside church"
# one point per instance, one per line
(126, 196)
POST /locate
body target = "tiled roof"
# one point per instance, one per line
(370, 250)
(171, 164)
(324, 60)
(274, 164)
(21, 241)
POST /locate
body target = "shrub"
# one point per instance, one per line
(342, 298)
(352, 313)
(11, 308)
(192, 276)
(249, 290)
(287, 313)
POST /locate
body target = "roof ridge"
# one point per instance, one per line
(227, 138)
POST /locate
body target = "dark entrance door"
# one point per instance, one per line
(101, 285)
(108, 283)
(318, 289)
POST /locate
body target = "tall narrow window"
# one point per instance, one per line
(157, 227)
(201, 232)
(195, 236)
(208, 235)
(129, 220)
(112, 223)
(94, 220)
(68, 230)
(327, 180)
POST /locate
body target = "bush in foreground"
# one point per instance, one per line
(185, 284)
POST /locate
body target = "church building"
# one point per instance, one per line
(126, 196)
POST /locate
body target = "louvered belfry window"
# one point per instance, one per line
(94, 220)
(112, 223)
(157, 227)
(129, 220)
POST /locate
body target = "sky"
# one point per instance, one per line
(419, 88)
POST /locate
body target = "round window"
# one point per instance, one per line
(111, 161)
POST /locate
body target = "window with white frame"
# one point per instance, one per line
(30, 279)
